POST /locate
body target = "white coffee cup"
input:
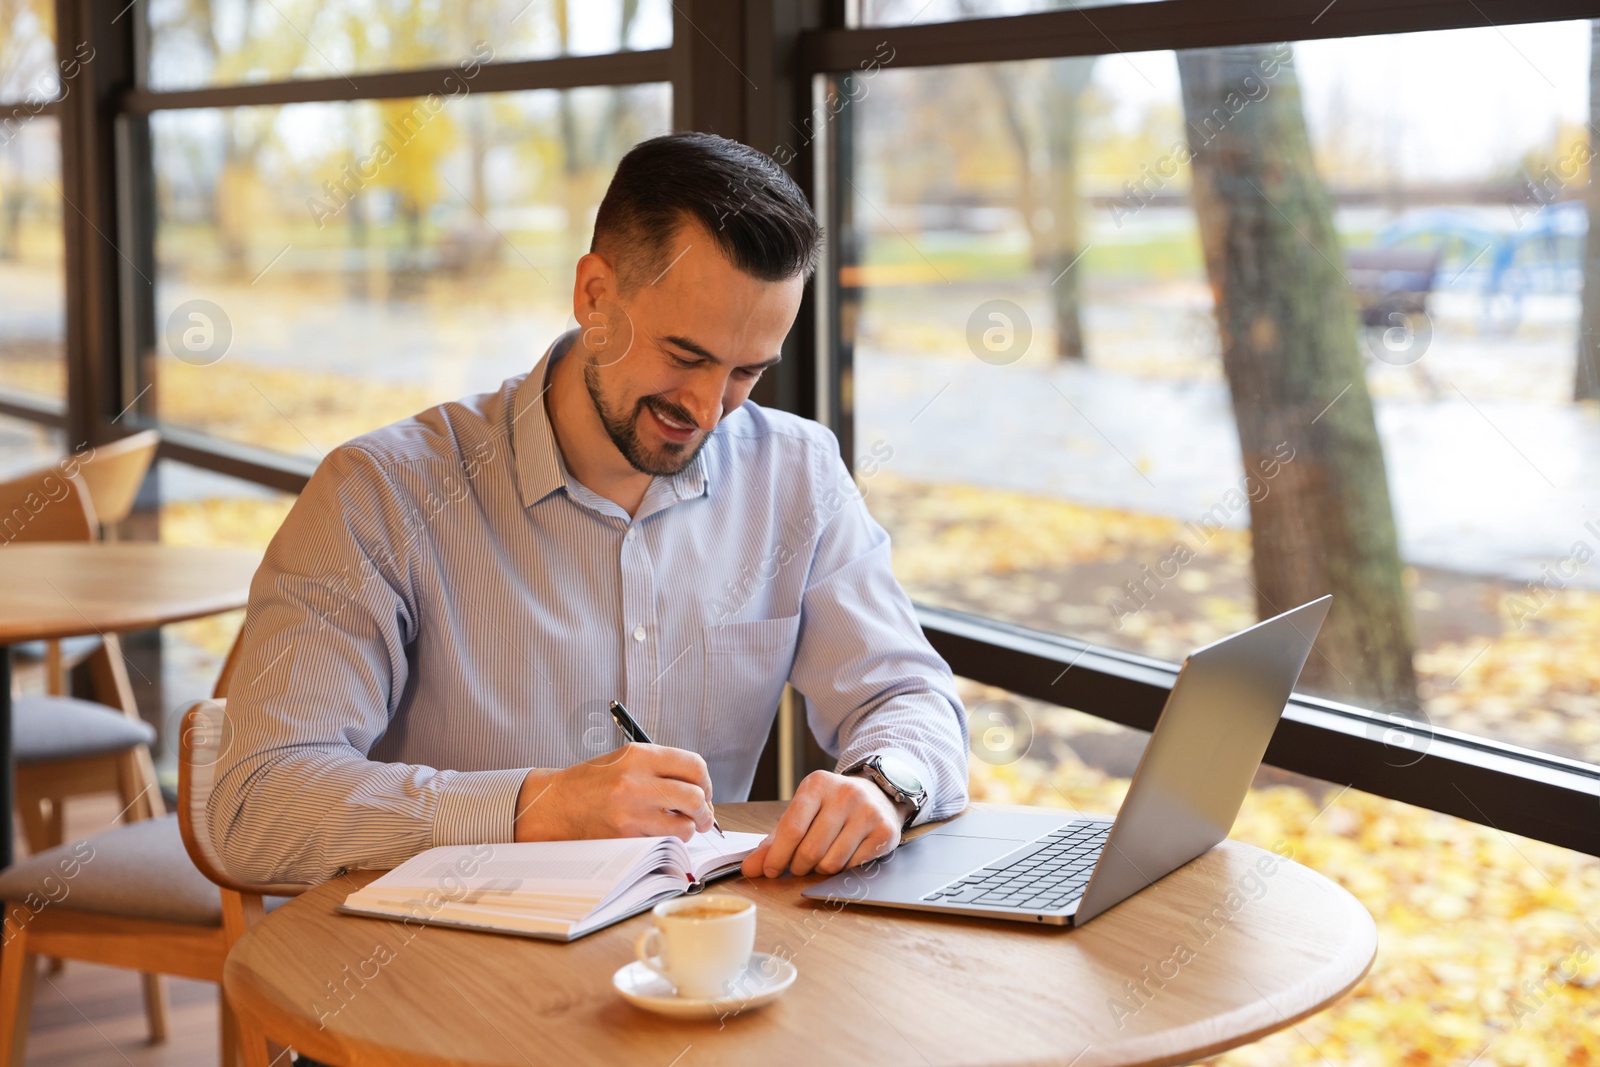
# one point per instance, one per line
(700, 943)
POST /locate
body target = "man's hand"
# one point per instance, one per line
(636, 791)
(833, 822)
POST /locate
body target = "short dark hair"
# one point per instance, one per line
(756, 213)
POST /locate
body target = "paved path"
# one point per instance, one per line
(1479, 486)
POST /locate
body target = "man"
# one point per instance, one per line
(437, 631)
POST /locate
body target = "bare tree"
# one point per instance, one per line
(1040, 116)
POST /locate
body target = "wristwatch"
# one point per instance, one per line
(895, 779)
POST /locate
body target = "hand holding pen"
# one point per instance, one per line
(635, 733)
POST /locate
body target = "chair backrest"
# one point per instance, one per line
(220, 691)
(203, 739)
(114, 472)
(46, 505)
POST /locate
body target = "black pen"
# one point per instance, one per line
(634, 732)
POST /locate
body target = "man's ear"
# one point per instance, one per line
(594, 287)
(605, 331)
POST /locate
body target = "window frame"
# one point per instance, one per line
(790, 54)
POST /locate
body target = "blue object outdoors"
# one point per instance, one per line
(1539, 251)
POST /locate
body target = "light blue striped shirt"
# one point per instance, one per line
(446, 607)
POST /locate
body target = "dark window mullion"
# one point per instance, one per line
(287, 474)
(565, 72)
(1162, 25)
(30, 408)
(18, 111)
(1508, 788)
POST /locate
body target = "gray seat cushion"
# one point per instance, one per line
(54, 728)
(72, 649)
(137, 870)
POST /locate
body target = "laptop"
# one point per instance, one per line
(1063, 869)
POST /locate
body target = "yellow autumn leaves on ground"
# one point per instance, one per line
(1530, 677)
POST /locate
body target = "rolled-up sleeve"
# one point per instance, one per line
(321, 667)
(872, 682)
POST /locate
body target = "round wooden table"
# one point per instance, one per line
(72, 589)
(1264, 942)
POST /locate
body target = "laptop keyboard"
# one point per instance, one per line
(1044, 875)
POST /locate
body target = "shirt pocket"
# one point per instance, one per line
(746, 666)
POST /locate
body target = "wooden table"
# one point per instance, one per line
(53, 590)
(876, 987)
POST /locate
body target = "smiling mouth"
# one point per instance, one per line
(673, 424)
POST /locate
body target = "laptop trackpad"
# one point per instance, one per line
(913, 869)
(941, 855)
(1016, 826)
(951, 856)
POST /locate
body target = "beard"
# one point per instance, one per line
(623, 429)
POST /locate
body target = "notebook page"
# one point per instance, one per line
(645, 893)
(710, 853)
(561, 870)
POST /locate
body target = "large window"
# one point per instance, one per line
(1140, 348)
(1150, 346)
(324, 269)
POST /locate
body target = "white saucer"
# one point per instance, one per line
(752, 989)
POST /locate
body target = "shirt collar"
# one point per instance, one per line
(540, 467)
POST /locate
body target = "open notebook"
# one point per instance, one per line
(553, 889)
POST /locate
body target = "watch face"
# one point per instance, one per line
(899, 775)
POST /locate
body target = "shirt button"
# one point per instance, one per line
(638, 633)
(632, 533)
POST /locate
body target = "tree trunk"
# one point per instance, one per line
(11, 226)
(1586, 380)
(1059, 248)
(1049, 207)
(1322, 523)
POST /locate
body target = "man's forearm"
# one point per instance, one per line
(305, 816)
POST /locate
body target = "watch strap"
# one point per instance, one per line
(871, 769)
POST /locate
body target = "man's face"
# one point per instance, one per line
(666, 362)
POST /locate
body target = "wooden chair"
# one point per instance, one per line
(205, 735)
(202, 740)
(137, 896)
(113, 474)
(65, 747)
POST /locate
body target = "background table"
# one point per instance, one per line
(875, 987)
(72, 589)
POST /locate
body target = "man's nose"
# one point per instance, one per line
(704, 406)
